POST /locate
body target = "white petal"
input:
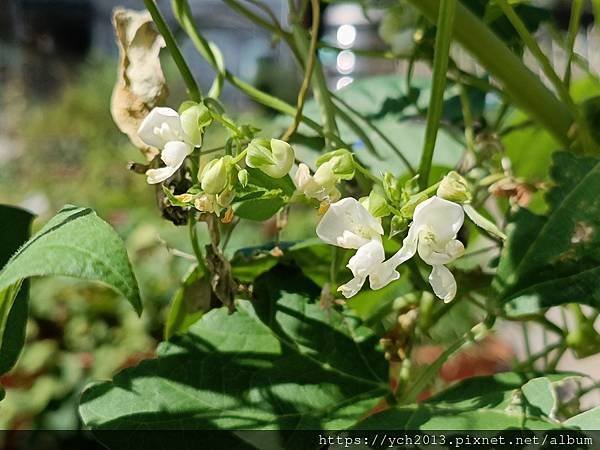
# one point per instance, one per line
(367, 258)
(175, 153)
(434, 256)
(155, 176)
(302, 176)
(442, 217)
(443, 283)
(351, 288)
(346, 223)
(409, 248)
(158, 120)
(384, 275)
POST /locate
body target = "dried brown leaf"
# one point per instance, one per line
(140, 82)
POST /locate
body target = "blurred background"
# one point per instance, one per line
(58, 145)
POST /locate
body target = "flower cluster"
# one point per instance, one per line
(432, 235)
(430, 223)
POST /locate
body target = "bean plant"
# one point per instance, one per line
(444, 209)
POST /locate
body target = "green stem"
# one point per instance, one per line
(525, 330)
(174, 51)
(440, 66)
(576, 11)
(468, 117)
(183, 15)
(528, 364)
(596, 10)
(356, 128)
(523, 86)
(432, 370)
(537, 52)
(308, 71)
(273, 26)
(367, 173)
(375, 129)
(193, 234)
(319, 84)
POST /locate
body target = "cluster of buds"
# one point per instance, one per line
(332, 168)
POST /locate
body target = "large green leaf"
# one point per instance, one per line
(588, 420)
(75, 243)
(15, 224)
(481, 403)
(278, 362)
(555, 259)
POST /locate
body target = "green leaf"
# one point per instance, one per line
(263, 196)
(75, 243)
(15, 225)
(587, 420)
(189, 303)
(539, 397)
(278, 362)
(555, 259)
(478, 403)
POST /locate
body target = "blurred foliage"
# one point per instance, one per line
(67, 150)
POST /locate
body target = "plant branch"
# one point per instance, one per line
(183, 15)
(521, 84)
(576, 11)
(308, 71)
(174, 51)
(440, 66)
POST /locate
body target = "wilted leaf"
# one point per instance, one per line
(140, 82)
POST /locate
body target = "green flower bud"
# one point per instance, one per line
(408, 208)
(194, 119)
(392, 188)
(215, 175)
(398, 224)
(275, 158)
(242, 176)
(378, 206)
(454, 188)
(341, 162)
(584, 340)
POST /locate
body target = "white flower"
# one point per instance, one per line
(348, 224)
(433, 235)
(162, 129)
(321, 185)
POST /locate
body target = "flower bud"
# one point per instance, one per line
(194, 119)
(275, 158)
(398, 224)
(391, 187)
(341, 163)
(408, 208)
(377, 204)
(242, 177)
(454, 188)
(214, 177)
